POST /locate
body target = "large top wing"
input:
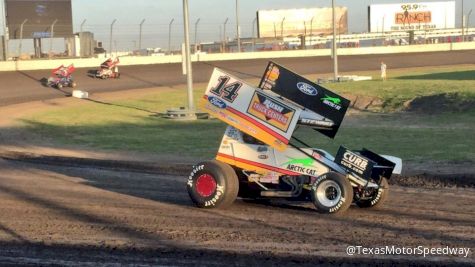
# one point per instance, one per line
(256, 112)
(324, 109)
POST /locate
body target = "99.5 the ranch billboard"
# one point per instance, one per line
(411, 16)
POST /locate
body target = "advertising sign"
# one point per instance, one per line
(354, 162)
(303, 21)
(250, 109)
(411, 16)
(40, 15)
(326, 109)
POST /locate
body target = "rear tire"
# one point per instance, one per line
(59, 86)
(377, 198)
(213, 184)
(332, 193)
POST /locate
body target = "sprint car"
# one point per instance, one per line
(259, 156)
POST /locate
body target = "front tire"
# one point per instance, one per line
(213, 184)
(332, 193)
(376, 197)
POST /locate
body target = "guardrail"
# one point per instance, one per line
(146, 60)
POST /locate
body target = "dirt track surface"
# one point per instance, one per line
(100, 217)
(25, 86)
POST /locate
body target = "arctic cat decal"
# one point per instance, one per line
(307, 162)
(333, 102)
(300, 169)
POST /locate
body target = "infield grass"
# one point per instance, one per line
(132, 124)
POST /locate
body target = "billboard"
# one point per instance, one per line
(411, 16)
(40, 15)
(304, 21)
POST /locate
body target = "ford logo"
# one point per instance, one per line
(217, 102)
(307, 89)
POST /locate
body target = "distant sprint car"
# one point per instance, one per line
(260, 158)
(62, 76)
(109, 69)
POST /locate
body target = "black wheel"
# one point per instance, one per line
(59, 86)
(373, 198)
(213, 184)
(332, 193)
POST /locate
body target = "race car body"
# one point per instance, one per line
(62, 76)
(259, 156)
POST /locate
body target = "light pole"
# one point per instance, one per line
(237, 27)
(110, 37)
(339, 29)
(170, 35)
(51, 35)
(253, 37)
(304, 28)
(140, 34)
(334, 52)
(189, 75)
(311, 28)
(82, 25)
(468, 18)
(275, 32)
(224, 33)
(196, 33)
(282, 28)
(463, 36)
(21, 36)
(5, 38)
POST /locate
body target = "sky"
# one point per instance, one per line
(212, 14)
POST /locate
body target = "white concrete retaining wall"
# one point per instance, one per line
(144, 60)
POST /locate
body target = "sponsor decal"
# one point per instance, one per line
(300, 169)
(301, 166)
(273, 73)
(333, 102)
(355, 162)
(274, 113)
(270, 77)
(317, 122)
(217, 102)
(193, 173)
(217, 196)
(307, 162)
(307, 89)
(316, 155)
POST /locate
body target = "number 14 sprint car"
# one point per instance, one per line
(260, 158)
